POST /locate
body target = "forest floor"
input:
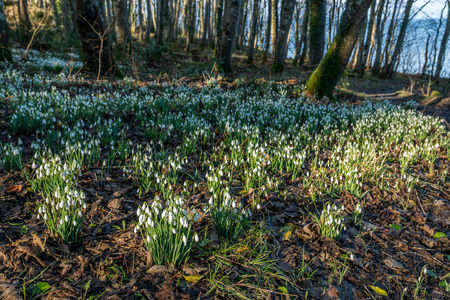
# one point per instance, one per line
(398, 247)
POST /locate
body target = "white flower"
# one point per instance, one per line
(148, 239)
(66, 218)
(174, 231)
(196, 238)
(184, 240)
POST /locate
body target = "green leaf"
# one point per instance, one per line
(431, 273)
(395, 226)
(40, 288)
(87, 285)
(378, 290)
(283, 290)
(439, 235)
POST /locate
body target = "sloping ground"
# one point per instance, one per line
(397, 246)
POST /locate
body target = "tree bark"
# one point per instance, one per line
(230, 28)
(274, 22)
(444, 41)
(359, 56)
(206, 24)
(317, 21)
(378, 39)
(120, 8)
(297, 36)
(361, 69)
(304, 36)
(161, 22)
(25, 23)
(218, 25)
(148, 29)
(286, 16)
(191, 23)
(5, 50)
(388, 70)
(254, 26)
(94, 36)
(242, 23)
(268, 31)
(327, 75)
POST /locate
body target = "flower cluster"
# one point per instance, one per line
(62, 213)
(167, 229)
(331, 221)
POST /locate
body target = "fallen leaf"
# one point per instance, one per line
(439, 235)
(192, 278)
(378, 290)
(14, 188)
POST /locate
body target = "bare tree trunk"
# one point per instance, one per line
(56, 17)
(444, 41)
(149, 21)
(286, 15)
(94, 36)
(274, 22)
(425, 63)
(254, 26)
(121, 26)
(191, 23)
(206, 24)
(242, 23)
(218, 25)
(317, 21)
(268, 31)
(378, 39)
(330, 22)
(388, 70)
(304, 36)
(360, 53)
(25, 23)
(327, 75)
(297, 36)
(361, 69)
(160, 15)
(5, 50)
(391, 33)
(230, 28)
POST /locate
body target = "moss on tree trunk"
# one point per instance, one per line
(330, 70)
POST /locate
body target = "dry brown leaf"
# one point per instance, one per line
(14, 188)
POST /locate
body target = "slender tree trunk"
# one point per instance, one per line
(361, 69)
(297, 36)
(218, 25)
(25, 23)
(242, 23)
(330, 22)
(425, 63)
(388, 70)
(391, 33)
(121, 26)
(360, 53)
(304, 36)
(65, 11)
(148, 29)
(444, 41)
(274, 22)
(5, 50)
(230, 28)
(268, 31)
(254, 26)
(191, 11)
(286, 16)
(161, 22)
(56, 17)
(94, 36)
(327, 75)
(378, 39)
(206, 24)
(317, 21)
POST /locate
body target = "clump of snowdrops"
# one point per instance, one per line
(167, 229)
(63, 214)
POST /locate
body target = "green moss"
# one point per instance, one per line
(435, 94)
